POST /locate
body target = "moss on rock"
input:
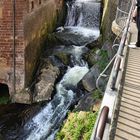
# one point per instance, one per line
(63, 57)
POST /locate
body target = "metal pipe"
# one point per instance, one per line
(103, 74)
(101, 123)
(115, 74)
(14, 47)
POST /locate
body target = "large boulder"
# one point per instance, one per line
(89, 80)
(86, 103)
(44, 87)
(57, 62)
(23, 97)
(92, 56)
(64, 57)
(70, 36)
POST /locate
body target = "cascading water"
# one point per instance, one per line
(82, 19)
(82, 22)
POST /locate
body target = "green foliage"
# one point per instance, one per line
(97, 95)
(78, 126)
(4, 100)
(103, 59)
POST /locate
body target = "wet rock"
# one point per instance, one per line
(11, 108)
(58, 63)
(67, 37)
(89, 80)
(70, 87)
(65, 58)
(108, 47)
(86, 103)
(94, 44)
(92, 56)
(44, 88)
(96, 105)
(22, 97)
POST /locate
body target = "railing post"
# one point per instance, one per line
(101, 123)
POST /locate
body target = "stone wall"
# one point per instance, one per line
(109, 13)
(34, 19)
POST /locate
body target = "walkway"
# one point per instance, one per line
(128, 123)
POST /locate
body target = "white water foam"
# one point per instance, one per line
(42, 124)
(86, 32)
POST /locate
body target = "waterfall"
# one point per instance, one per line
(84, 13)
(43, 124)
(82, 19)
(82, 22)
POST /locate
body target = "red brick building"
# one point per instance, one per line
(23, 23)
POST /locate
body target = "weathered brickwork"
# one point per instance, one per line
(6, 43)
(33, 19)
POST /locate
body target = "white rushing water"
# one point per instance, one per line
(85, 32)
(43, 123)
(83, 19)
(84, 16)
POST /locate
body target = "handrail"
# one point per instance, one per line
(107, 110)
(101, 123)
(116, 69)
(124, 35)
(120, 50)
(104, 75)
(122, 11)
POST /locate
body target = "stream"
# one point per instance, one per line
(81, 27)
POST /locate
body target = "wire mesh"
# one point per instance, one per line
(122, 12)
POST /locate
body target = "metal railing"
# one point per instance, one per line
(107, 110)
(121, 47)
(122, 12)
(101, 123)
(121, 17)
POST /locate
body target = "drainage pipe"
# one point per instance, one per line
(14, 45)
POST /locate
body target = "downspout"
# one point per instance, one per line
(14, 48)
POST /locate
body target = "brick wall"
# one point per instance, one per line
(6, 43)
(40, 21)
(34, 20)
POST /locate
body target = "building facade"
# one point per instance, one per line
(23, 24)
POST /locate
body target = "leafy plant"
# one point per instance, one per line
(78, 126)
(96, 94)
(103, 59)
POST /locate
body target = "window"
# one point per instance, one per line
(32, 5)
(40, 2)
